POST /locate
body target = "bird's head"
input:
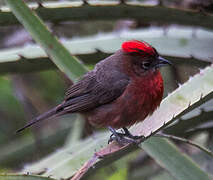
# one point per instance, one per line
(143, 56)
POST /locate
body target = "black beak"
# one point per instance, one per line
(162, 62)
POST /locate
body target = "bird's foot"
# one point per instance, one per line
(120, 139)
(124, 138)
(128, 134)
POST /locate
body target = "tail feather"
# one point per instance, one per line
(52, 112)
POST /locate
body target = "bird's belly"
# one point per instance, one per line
(123, 112)
(134, 105)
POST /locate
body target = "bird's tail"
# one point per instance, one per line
(52, 112)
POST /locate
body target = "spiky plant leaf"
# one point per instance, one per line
(175, 104)
(65, 162)
(188, 126)
(75, 11)
(169, 157)
(58, 54)
(179, 45)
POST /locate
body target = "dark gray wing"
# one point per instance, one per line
(83, 86)
(96, 88)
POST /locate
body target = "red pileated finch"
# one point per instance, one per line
(123, 89)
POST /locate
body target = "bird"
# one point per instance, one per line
(121, 90)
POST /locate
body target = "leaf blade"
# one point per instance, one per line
(169, 157)
(58, 53)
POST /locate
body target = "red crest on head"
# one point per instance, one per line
(140, 47)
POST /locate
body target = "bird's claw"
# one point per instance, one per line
(121, 139)
(124, 138)
(110, 139)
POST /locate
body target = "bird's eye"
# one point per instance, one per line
(146, 65)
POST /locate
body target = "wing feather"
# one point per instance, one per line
(91, 92)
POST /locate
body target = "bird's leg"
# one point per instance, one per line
(129, 135)
(114, 135)
(119, 137)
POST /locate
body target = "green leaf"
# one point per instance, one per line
(20, 149)
(169, 157)
(65, 162)
(58, 54)
(22, 177)
(121, 174)
(32, 57)
(76, 11)
(76, 132)
(188, 125)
